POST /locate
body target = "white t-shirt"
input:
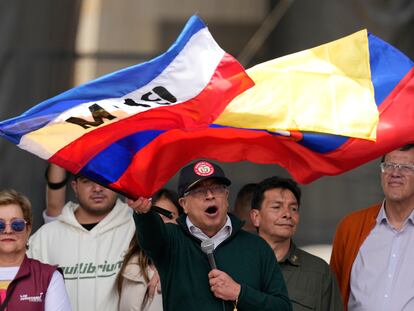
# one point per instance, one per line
(56, 295)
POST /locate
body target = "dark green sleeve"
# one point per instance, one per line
(152, 234)
(273, 295)
(331, 299)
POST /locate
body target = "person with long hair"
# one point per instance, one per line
(138, 278)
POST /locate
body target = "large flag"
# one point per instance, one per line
(96, 128)
(137, 156)
(306, 155)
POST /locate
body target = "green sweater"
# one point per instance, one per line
(183, 267)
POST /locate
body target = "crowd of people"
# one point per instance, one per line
(106, 253)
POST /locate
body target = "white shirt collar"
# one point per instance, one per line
(382, 216)
(218, 238)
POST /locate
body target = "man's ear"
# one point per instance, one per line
(183, 202)
(227, 194)
(255, 217)
(73, 184)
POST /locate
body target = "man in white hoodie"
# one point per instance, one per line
(88, 241)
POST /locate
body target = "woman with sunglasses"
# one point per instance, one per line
(25, 284)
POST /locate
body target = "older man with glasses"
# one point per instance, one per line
(373, 249)
(247, 276)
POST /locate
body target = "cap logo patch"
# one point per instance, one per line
(203, 168)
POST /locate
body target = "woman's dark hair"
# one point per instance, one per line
(143, 263)
(169, 195)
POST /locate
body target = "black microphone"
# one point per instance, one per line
(208, 247)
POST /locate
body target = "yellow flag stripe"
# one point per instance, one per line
(326, 89)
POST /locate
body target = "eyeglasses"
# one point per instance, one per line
(202, 192)
(389, 167)
(17, 225)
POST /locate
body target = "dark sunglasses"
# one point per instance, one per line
(17, 225)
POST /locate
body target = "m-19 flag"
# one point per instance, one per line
(97, 129)
(137, 155)
(306, 155)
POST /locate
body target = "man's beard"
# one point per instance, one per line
(99, 211)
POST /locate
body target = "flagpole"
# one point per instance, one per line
(155, 208)
(265, 29)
